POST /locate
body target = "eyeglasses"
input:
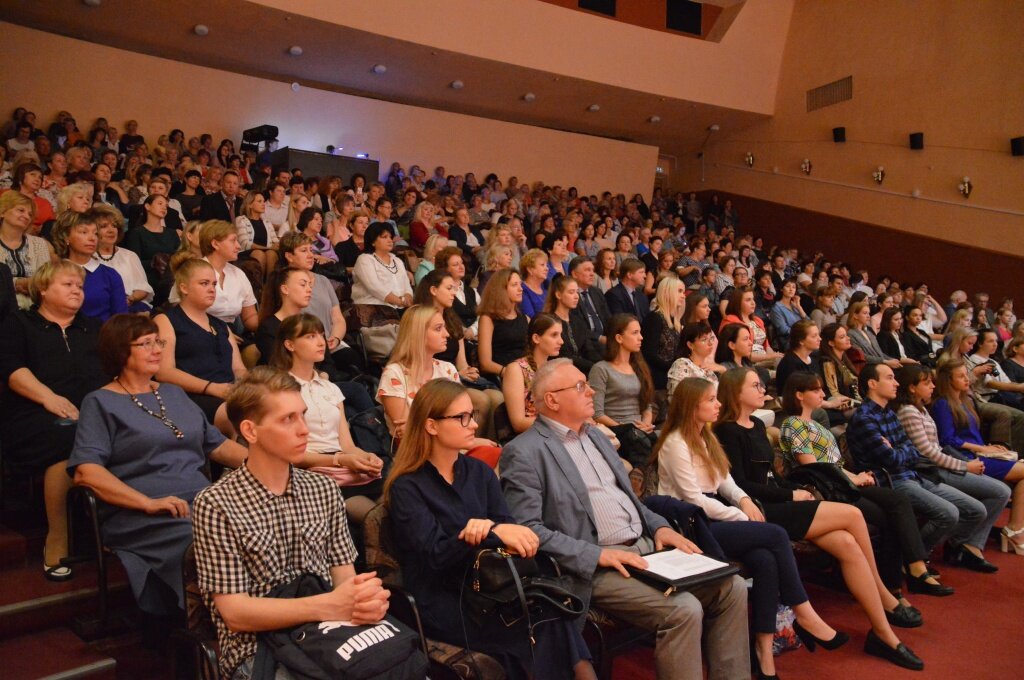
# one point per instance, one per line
(464, 418)
(760, 386)
(580, 387)
(148, 345)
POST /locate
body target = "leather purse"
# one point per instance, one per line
(828, 480)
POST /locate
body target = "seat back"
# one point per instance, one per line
(379, 546)
(197, 615)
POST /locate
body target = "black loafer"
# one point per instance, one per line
(962, 557)
(920, 585)
(905, 617)
(901, 655)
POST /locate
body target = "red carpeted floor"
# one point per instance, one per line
(968, 636)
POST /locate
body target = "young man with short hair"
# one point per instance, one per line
(269, 522)
(627, 296)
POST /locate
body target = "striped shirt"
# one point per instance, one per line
(922, 431)
(615, 515)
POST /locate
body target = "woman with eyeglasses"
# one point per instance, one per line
(444, 507)
(142, 447)
(836, 528)
(697, 345)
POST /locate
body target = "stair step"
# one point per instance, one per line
(13, 548)
(53, 654)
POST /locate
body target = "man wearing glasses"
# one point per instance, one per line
(564, 480)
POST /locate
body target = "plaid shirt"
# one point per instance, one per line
(249, 540)
(878, 442)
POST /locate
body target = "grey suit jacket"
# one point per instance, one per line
(545, 492)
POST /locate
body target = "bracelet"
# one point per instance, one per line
(207, 386)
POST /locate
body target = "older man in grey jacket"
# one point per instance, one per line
(564, 480)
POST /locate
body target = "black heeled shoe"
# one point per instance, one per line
(920, 586)
(901, 655)
(962, 557)
(810, 641)
(761, 676)
(903, 616)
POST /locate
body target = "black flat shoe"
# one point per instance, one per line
(920, 585)
(901, 655)
(810, 641)
(762, 676)
(904, 617)
(962, 557)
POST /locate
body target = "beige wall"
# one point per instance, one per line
(92, 80)
(739, 72)
(952, 70)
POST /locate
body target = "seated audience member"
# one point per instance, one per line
(836, 528)
(443, 508)
(916, 342)
(662, 327)
(1013, 363)
(863, 338)
(235, 303)
(890, 335)
(28, 181)
(544, 341)
(256, 236)
(698, 310)
(697, 345)
(297, 202)
(803, 356)
(592, 304)
(606, 269)
(288, 292)
(298, 347)
(22, 252)
(201, 356)
(435, 243)
(586, 244)
(993, 384)
(224, 205)
(693, 467)
(310, 223)
(556, 246)
(691, 266)
(497, 257)
(103, 288)
(837, 371)
(563, 300)
(452, 261)
(533, 269)
(379, 277)
(879, 444)
(967, 475)
(627, 296)
(804, 440)
(48, 361)
(235, 574)
(593, 554)
(502, 324)
(349, 250)
(110, 223)
(423, 225)
(461, 233)
(884, 302)
(153, 242)
(742, 308)
(957, 423)
(8, 298)
(142, 447)
(658, 268)
(822, 314)
(734, 352)
(786, 311)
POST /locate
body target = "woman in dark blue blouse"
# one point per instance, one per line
(443, 508)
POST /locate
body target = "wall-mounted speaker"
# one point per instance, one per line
(839, 135)
(1017, 146)
(917, 140)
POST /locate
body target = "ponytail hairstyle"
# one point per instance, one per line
(539, 325)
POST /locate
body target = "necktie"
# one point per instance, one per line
(595, 321)
(231, 207)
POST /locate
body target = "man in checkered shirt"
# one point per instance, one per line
(268, 522)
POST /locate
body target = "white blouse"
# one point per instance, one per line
(374, 280)
(127, 264)
(323, 413)
(682, 477)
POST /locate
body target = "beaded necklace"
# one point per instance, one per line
(162, 416)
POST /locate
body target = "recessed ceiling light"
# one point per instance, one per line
(714, 127)
(295, 87)
(92, 3)
(295, 51)
(593, 108)
(201, 29)
(654, 119)
(457, 85)
(529, 97)
(380, 68)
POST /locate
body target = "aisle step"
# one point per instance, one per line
(53, 654)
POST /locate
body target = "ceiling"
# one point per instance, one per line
(254, 39)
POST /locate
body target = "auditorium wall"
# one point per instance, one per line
(951, 70)
(93, 80)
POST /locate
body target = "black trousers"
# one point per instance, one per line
(890, 511)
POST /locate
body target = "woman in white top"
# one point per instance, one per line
(256, 235)
(330, 449)
(125, 262)
(380, 277)
(692, 466)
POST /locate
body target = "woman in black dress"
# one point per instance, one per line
(661, 329)
(443, 508)
(502, 325)
(48, 361)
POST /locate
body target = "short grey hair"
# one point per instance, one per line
(542, 380)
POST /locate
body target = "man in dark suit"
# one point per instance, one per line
(592, 306)
(563, 479)
(225, 204)
(627, 296)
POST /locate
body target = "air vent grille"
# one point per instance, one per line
(827, 95)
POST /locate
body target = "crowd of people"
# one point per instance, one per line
(190, 332)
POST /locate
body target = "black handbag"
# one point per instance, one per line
(927, 470)
(635, 445)
(511, 589)
(828, 480)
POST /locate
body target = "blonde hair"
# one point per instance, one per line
(46, 274)
(70, 191)
(665, 297)
(529, 259)
(185, 270)
(410, 352)
(852, 312)
(214, 230)
(435, 244)
(12, 199)
(492, 255)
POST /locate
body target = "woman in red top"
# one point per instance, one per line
(741, 309)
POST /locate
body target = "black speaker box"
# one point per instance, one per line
(1017, 146)
(606, 7)
(838, 135)
(917, 140)
(261, 133)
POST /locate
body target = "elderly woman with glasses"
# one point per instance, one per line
(143, 447)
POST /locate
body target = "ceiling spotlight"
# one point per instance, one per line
(806, 166)
(380, 69)
(295, 51)
(529, 97)
(878, 175)
(965, 187)
(713, 127)
(295, 87)
(749, 159)
(594, 108)
(457, 85)
(91, 3)
(362, 155)
(654, 119)
(201, 29)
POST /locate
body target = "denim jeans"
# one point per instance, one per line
(949, 513)
(993, 494)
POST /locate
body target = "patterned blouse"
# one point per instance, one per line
(802, 437)
(683, 368)
(528, 374)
